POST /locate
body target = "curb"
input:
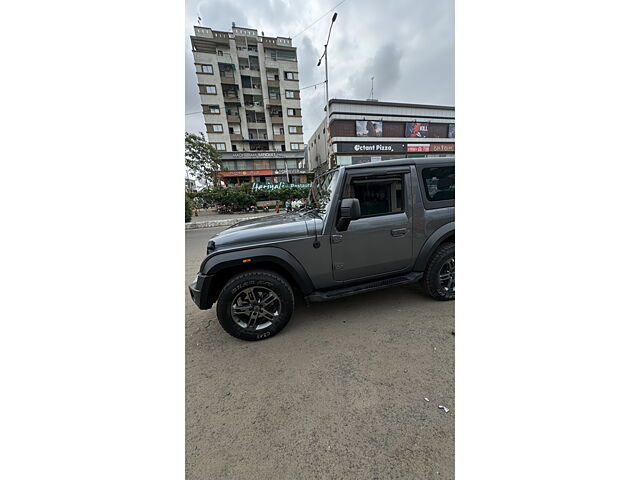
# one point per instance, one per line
(217, 223)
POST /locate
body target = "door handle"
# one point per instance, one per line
(398, 232)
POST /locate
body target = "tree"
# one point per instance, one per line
(201, 159)
(188, 208)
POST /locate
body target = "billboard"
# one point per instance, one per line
(452, 130)
(368, 128)
(416, 130)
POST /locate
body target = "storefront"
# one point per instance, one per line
(352, 153)
(263, 167)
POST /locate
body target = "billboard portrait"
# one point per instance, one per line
(368, 128)
(416, 130)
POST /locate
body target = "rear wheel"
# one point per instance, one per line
(439, 278)
(255, 305)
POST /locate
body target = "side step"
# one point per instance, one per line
(323, 296)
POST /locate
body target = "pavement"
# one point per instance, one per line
(339, 393)
(211, 218)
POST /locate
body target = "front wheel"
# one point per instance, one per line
(439, 278)
(255, 305)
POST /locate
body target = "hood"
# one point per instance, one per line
(266, 229)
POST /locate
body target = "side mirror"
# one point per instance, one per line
(349, 210)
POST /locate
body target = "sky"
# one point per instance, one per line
(407, 45)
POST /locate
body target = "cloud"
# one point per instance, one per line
(384, 67)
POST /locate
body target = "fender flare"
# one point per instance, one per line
(220, 261)
(432, 243)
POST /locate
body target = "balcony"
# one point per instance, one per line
(254, 106)
(228, 80)
(273, 83)
(277, 119)
(274, 101)
(235, 137)
(233, 118)
(252, 91)
(278, 138)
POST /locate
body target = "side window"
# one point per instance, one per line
(439, 183)
(378, 195)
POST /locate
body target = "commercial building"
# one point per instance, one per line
(250, 99)
(362, 131)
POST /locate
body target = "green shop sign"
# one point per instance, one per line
(274, 186)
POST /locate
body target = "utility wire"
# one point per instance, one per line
(318, 19)
(314, 85)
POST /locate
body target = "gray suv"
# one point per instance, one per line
(365, 227)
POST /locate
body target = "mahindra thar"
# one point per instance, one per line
(365, 227)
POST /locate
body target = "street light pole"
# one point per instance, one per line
(326, 85)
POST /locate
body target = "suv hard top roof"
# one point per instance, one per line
(404, 161)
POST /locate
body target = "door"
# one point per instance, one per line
(379, 242)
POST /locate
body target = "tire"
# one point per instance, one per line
(255, 305)
(439, 277)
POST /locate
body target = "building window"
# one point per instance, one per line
(210, 89)
(234, 148)
(291, 112)
(291, 75)
(220, 53)
(217, 128)
(221, 146)
(297, 146)
(206, 68)
(289, 94)
(295, 129)
(212, 109)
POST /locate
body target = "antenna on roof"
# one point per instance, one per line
(371, 94)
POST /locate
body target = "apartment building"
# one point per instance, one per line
(250, 99)
(362, 131)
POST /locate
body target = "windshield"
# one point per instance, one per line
(322, 192)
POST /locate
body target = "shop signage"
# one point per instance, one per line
(245, 173)
(443, 147)
(291, 171)
(272, 186)
(418, 147)
(375, 148)
(416, 130)
(249, 155)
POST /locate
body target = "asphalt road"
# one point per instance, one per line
(339, 393)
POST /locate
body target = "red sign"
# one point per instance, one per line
(246, 173)
(418, 147)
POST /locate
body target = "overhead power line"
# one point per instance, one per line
(314, 85)
(318, 19)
